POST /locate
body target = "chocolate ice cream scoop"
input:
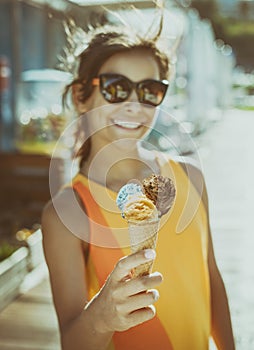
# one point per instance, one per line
(161, 191)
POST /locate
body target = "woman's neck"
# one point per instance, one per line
(115, 169)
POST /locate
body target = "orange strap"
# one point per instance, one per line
(149, 335)
(99, 225)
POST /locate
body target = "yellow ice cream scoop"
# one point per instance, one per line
(139, 208)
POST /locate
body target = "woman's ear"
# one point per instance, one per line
(76, 98)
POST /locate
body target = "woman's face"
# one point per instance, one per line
(109, 122)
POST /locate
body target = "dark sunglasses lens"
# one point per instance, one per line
(114, 88)
(151, 92)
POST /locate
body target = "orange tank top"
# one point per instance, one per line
(182, 320)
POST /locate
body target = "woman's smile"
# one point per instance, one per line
(127, 124)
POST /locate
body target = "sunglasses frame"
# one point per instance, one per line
(132, 86)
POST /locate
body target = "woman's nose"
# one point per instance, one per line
(132, 104)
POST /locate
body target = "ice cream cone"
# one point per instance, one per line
(143, 235)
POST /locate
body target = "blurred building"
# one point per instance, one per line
(32, 37)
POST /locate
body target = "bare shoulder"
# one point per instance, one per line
(64, 217)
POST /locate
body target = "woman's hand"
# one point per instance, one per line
(124, 302)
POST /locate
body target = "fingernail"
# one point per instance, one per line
(156, 295)
(150, 254)
(156, 274)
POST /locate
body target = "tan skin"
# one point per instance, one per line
(122, 302)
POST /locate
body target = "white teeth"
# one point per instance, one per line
(127, 125)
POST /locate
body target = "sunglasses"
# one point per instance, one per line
(117, 88)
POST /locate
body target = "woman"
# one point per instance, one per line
(119, 84)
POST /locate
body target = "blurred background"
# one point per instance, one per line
(208, 114)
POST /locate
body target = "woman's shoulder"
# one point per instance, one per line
(64, 212)
(189, 165)
(62, 201)
(62, 239)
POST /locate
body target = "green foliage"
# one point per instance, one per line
(239, 29)
(6, 250)
(239, 34)
(245, 108)
(233, 27)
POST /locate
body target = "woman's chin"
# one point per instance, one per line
(126, 144)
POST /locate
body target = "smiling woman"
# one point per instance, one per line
(120, 82)
(118, 126)
(125, 60)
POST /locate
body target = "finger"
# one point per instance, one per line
(140, 301)
(140, 284)
(141, 315)
(126, 264)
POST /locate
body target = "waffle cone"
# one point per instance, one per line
(143, 235)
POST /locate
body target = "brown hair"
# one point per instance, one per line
(104, 44)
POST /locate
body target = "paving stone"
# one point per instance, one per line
(226, 152)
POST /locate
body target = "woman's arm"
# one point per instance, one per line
(119, 305)
(65, 259)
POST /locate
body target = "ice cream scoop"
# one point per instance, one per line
(126, 192)
(139, 208)
(161, 191)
